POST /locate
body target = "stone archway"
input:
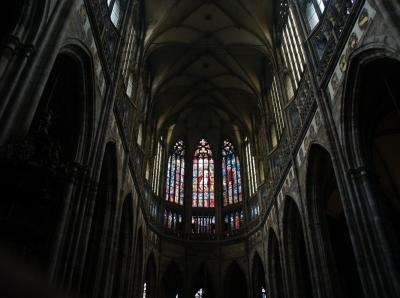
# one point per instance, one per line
(371, 109)
(329, 229)
(258, 277)
(296, 256)
(123, 263)
(275, 273)
(97, 263)
(172, 281)
(235, 284)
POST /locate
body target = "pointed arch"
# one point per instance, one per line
(172, 281)
(101, 227)
(150, 278)
(138, 269)
(295, 250)
(335, 249)
(372, 138)
(275, 273)
(235, 282)
(258, 277)
(202, 283)
(124, 251)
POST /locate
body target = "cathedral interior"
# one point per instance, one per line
(200, 148)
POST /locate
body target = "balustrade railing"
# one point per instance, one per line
(332, 30)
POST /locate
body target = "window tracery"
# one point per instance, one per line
(231, 180)
(176, 174)
(203, 176)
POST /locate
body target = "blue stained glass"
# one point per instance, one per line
(203, 176)
(232, 189)
(175, 174)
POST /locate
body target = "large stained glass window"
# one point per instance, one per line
(175, 174)
(231, 181)
(203, 176)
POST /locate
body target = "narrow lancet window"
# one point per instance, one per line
(176, 174)
(231, 180)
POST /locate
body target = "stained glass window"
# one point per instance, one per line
(233, 221)
(203, 224)
(172, 220)
(231, 181)
(203, 176)
(199, 294)
(175, 174)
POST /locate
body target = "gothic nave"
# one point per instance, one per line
(200, 148)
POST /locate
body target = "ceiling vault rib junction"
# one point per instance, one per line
(208, 54)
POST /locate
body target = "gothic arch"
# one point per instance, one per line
(124, 251)
(59, 142)
(297, 263)
(172, 281)
(372, 143)
(329, 229)
(150, 278)
(275, 272)
(202, 280)
(97, 265)
(258, 276)
(138, 265)
(66, 108)
(235, 282)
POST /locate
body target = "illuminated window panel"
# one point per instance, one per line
(203, 177)
(231, 180)
(176, 174)
(203, 224)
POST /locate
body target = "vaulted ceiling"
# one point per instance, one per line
(208, 56)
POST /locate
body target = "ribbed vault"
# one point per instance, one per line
(214, 54)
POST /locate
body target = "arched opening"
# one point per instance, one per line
(378, 137)
(296, 252)
(33, 182)
(96, 270)
(138, 278)
(172, 282)
(124, 250)
(149, 283)
(235, 282)
(57, 125)
(202, 284)
(332, 229)
(258, 280)
(275, 267)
